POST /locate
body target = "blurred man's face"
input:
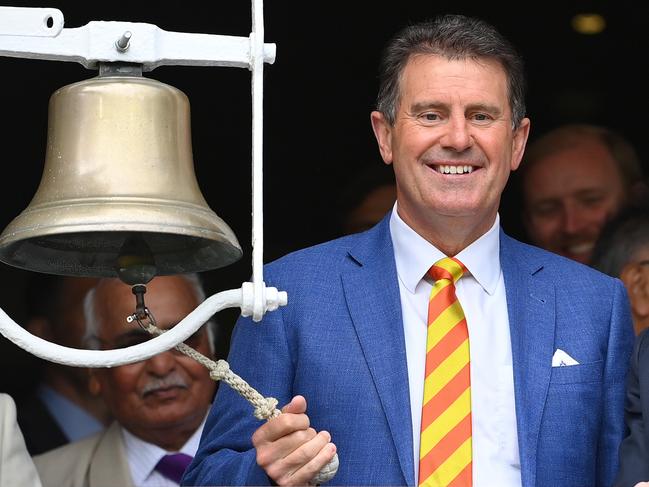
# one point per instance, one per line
(569, 195)
(635, 276)
(168, 390)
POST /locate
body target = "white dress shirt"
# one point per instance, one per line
(481, 292)
(143, 457)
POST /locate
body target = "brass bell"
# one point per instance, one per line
(118, 188)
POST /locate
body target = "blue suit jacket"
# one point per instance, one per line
(340, 344)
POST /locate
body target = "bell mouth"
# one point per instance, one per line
(85, 237)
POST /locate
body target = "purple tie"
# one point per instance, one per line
(173, 466)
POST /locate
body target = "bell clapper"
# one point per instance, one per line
(135, 266)
(135, 262)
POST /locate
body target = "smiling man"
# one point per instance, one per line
(159, 405)
(574, 179)
(432, 349)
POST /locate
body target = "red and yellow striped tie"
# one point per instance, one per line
(445, 448)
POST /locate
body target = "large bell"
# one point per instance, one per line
(118, 187)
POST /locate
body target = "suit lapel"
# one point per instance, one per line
(109, 464)
(531, 309)
(372, 294)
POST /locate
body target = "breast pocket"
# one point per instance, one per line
(577, 374)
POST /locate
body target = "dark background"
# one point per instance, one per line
(318, 95)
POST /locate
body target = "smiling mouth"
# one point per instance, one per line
(581, 248)
(452, 169)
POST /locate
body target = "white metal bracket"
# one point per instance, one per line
(38, 33)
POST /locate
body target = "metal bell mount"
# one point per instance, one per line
(91, 229)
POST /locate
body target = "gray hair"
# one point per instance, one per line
(454, 37)
(621, 241)
(91, 319)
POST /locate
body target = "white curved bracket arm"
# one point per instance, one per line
(113, 358)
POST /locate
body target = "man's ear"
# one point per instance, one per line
(637, 286)
(519, 142)
(383, 133)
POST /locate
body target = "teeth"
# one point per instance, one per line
(454, 169)
(581, 248)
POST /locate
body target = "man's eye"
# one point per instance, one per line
(544, 211)
(430, 117)
(481, 117)
(592, 200)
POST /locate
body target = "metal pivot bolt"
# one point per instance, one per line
(122, 44)
(140, 309)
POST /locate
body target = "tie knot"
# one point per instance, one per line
(173, 466)
(448, 268)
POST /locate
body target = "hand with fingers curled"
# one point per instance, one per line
(289, 450)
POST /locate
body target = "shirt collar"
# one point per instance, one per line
(144, 456)
(414, 255)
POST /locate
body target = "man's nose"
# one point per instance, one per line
(458, 134)
(573, 220)
(162, 363)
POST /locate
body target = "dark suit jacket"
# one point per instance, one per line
(634, 451)
(340, 343)
(41, 431)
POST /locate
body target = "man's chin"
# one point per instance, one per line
(582, 257)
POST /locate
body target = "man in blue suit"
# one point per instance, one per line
(550, 339)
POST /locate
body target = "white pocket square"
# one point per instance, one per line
(562, 359)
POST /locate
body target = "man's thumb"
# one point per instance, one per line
(296, 406)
